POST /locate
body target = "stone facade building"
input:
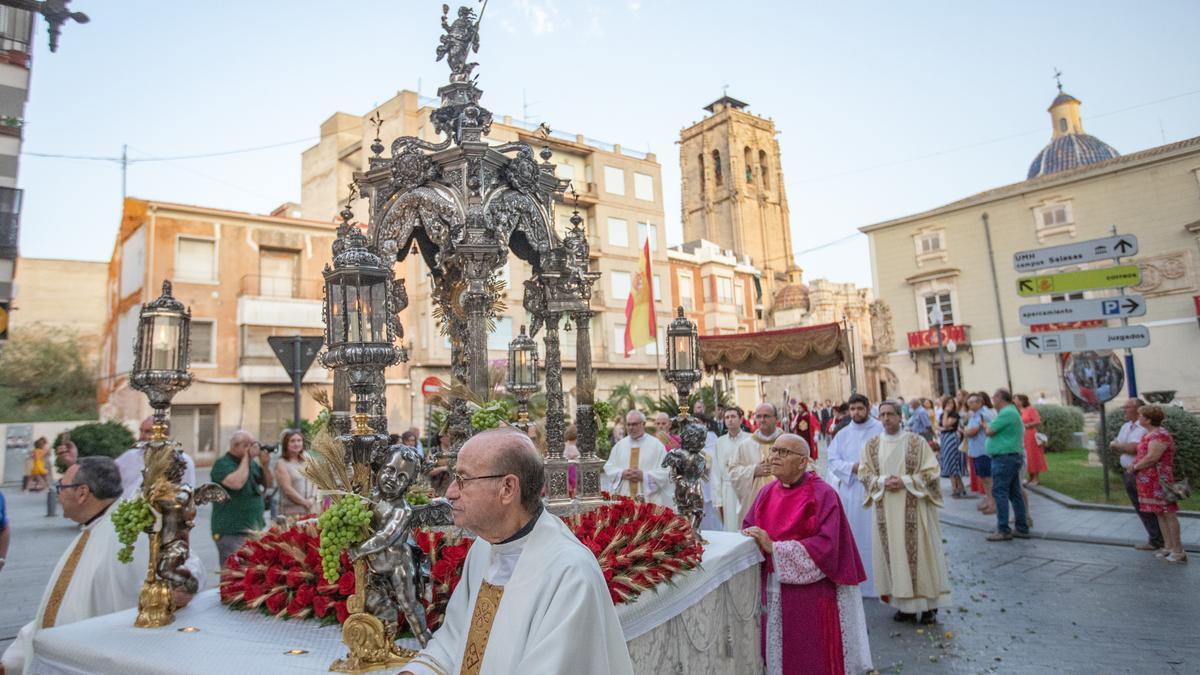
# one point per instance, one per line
(42, 285)
(1078, 189)
(16, 54)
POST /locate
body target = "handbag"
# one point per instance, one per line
(1174, 492)
(1040, 439)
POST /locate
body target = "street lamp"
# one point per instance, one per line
(522, 374)
(683, 357)
(160, 354)
(935, 319)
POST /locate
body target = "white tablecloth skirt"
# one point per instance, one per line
(708, 618)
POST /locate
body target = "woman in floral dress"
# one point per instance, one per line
(1154, 465)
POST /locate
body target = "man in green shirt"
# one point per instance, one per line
(1006, 448)
(245, 473)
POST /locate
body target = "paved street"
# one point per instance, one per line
(1020, 607)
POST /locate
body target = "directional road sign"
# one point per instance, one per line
(1083, 310)
(1075, 254)
(1122, 337)
(1084, 280)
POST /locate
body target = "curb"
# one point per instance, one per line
(954, 521)
(1072, 503)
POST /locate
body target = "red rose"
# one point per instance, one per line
(252, 592)
(442, 570)
(455, 554)
(295, 608)
(254, 575)
(229, 592)
(346, 583)
(305, 594)
(342, 613)
(321, 605)
(277, 601)
(297, 576)
(276, 575)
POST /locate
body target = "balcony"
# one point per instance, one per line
(284, 302)
(10, 222)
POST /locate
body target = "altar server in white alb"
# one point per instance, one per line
(634, 467)
(88, 580)
(725, 497)
(845, 456)
(531, 599)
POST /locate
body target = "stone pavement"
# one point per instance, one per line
(1039, 606)
(1054, 520)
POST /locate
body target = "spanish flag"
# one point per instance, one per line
(639, 308)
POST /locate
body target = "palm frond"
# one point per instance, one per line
(326, 465)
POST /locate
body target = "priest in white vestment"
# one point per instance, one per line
(88, 580)
(751, 470)
(634, 467)
(531, 598)
(725, 498)
(844, 455)
(902, 479)
(132, 461)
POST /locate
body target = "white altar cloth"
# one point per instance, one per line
(249, 641)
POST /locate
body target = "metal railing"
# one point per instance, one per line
(281, 287)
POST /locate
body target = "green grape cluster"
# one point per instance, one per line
(343, 525)
(490, 416)
(131, 517)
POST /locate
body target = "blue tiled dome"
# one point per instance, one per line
(1068, 152)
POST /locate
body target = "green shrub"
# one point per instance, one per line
(105, 439)
(1060, 423)
(1183, 426)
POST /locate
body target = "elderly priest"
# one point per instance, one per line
(531, 599)
(635, 465)
(88, 580)
(814, 621)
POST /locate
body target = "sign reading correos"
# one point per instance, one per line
(1084, 280)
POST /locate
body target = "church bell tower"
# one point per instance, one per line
(733, 190)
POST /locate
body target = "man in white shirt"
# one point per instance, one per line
(725, 497)
(1126, 443)
(88, 580)
(131, 462)
(531, 598)
(634, 467)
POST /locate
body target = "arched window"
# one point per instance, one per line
(762, 168)
(1062, 124)
(718, 178)
(701, 158)
(749, 159)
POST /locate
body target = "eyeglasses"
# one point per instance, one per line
(782, 452)
(460, 479)
(60, 486)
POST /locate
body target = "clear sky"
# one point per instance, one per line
(884, 108)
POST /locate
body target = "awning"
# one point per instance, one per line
(788, 351)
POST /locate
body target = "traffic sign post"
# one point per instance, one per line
(1107, 248)
(1083, 310)
(1083, 280)
(296, 353)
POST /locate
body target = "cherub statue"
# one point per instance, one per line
(461, 38)
(177, 504)
(394, 585)
(688, 467)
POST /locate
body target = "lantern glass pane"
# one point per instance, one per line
(354, 311)
(164, 342)
(526, 368)
(682, 352)
(337, 312)
(378, 312)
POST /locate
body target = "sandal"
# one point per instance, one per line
(1162, 553)
(1177, 560)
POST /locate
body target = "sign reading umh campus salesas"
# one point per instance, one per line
(1106, 248)
(1084, 280)
(928, 338)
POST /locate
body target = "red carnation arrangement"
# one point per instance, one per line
(638, 546)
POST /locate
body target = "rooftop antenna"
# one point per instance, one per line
(724, 90)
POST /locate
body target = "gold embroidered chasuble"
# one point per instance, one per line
(486, 605)
(765, 443)
(906, 544)
(635, 485)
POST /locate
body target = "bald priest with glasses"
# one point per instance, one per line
(88, 580)
(531, 598)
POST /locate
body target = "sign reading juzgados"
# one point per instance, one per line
(1084, 280)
